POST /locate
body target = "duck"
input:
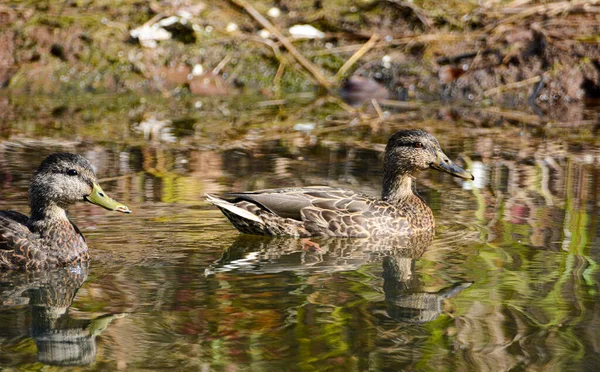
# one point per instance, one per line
(338, 212)
(48, 238)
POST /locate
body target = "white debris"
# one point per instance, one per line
(231, 27)
(166, 22)
(197, 70)
(386, 61)
(274, 12)
(306, 32)
(304, 127)
(149, 35)
(264, 34)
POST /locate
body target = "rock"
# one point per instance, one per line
(177, 75)
(208, 84)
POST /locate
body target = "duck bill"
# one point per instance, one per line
(98, 197)
(444, 164)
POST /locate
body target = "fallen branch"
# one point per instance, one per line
(429, 38)
(311, 68)
(356, 56)
(515, 85)
(378, 108)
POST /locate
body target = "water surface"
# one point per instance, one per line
(509, 282)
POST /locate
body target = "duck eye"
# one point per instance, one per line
(72, 172)
(418, 145)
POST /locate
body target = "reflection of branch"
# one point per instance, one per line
(286, 43)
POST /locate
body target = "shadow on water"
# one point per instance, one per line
(37, 305)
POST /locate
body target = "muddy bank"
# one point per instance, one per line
(524, 54)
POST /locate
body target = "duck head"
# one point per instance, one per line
(410, 152)
(64, 179)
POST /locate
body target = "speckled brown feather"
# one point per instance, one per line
(330, 211)
(48, 238)
(20, 248)
(327, 211)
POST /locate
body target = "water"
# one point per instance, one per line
(509, 282)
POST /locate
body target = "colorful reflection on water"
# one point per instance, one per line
(510, 280)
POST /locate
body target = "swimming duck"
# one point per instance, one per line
(329, 211)
(48, 238)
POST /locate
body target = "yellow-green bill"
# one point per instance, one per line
(98, 197)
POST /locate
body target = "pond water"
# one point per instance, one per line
(509, 282)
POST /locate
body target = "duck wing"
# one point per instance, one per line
(18, 245)
(325, 211)
(12, 227)
(289, 202)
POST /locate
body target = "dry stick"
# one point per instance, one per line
(515, 85)
(314, 71)
(400, 41)
(356, 56)
(377, 108)
(407, 104)
(279, 74)
(273, 102)
(221, 64)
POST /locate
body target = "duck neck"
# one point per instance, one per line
(398, 188)
(45, 216)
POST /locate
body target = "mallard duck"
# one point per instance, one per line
(48, 238)
(329, 211)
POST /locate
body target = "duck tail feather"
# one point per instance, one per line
(224, 204)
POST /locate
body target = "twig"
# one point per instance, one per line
(377, 108)
(457, 58)
(406, 104)
(275, 102)
(311, 68)
(515, 85)
(401, 41)
(358, 55)
(153, 20)
(221, 64)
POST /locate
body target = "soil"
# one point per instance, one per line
(525, 54)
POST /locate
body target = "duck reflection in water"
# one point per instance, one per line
(404, 295)
(60, 339)
(405, 299)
